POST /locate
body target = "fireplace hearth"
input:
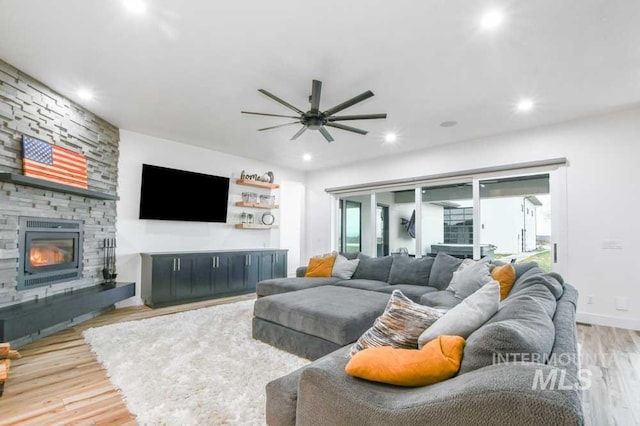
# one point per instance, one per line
(50, 251)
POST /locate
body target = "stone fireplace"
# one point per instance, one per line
(60, 248)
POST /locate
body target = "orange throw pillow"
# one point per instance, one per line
(438, 360)
(320, 267)
(506, 276)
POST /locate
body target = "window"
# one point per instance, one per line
(458, 225)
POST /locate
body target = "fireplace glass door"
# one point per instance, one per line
(51, 251)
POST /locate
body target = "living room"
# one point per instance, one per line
(483, 102)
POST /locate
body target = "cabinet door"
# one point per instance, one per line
(162, 278)
(220, 278)
(238, 272)
(252, 275)
(183, 282)
(267, 260)
(203, 275)
(280, 264)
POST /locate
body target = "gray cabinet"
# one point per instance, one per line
(169, 279)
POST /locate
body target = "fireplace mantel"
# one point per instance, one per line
(53, 186)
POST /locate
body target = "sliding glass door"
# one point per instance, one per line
(350, 219)
(503, 216)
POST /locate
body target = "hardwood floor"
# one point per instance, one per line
(59, 380)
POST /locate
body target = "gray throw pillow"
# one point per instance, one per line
(344, 268)
(373, 268)
(442, 270)
(522, 327)
(467, 317)
(407, 270)
(351, 256)
(469, 280)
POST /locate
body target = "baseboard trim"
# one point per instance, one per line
(596, 319)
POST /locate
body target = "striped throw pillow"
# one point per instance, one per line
(399, 326)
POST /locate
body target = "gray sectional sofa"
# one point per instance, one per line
(511, 367)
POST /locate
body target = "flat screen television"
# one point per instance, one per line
(170, 194)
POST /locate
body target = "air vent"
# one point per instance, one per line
(51, 224)
(37, 282)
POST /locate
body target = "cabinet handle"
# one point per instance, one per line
(174, 264)
(178, 264)
(246, 260)
(249, 259)
(213, 263)
(276, 257)
(217, 261)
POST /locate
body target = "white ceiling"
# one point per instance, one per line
(185, 69)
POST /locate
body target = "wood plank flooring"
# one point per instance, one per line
(59, 380)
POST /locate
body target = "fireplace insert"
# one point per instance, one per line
(50, 251)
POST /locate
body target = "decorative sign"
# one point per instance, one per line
(43, 160)
(267, 177)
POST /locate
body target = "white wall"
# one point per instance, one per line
(602, 188)
(137, 236)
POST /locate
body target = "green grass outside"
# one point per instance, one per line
(543, 258)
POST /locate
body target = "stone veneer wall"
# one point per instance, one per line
(29, 107)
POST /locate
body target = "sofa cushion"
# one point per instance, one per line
(407, 270)
(285, 285)
(399, 326)
(467, 317)
(442, 270)
(337, 314)
(413, 292)
(344, 268)
(522, 327)
(373, 268)
(362, 284)
(443, 299)
(550, 280)
(437, 361)
(467, 281)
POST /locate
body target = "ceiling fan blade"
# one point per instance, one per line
(298, 133)
(347, 128)
(277, 99)
(316, 88)
(280, 125)
(326, 134)
(350, 102)
(268, 115)
(357, 117)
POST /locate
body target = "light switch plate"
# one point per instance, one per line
(612, 244)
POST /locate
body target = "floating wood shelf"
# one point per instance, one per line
(257, 205)
(54, 186)
(257, 183)
(252, 226)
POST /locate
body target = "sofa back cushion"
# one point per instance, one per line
(442, 270)
(373, 268)
(350, 255)
(407, 270)
(522, 330)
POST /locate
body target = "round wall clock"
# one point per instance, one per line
(268, 219)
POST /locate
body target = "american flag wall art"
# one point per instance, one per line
(43, 160)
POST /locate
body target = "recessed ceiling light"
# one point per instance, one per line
(449, 123)
(306, 157)
(138, 7)
(492, 19)
(84, 94)
(390, 137)
(525, 105)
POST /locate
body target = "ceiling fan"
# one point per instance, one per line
(315, 119)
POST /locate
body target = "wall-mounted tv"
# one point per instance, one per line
(170, 194)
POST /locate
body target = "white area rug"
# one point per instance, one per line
(197, 367)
